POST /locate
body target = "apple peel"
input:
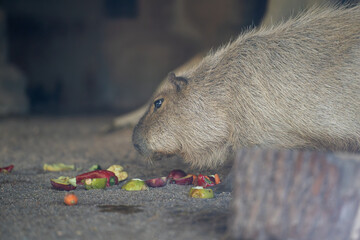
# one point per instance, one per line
(156, 182)
(176, 173)
(62, 183)
(187, 180)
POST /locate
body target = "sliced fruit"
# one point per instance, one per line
(56, 167)
(204, 181)
(135, 185)
(115, 167)
(122, 175)
(95, 183)
(187, 180)
(118, 171)
(194, 179)
(7, 169)
(216, 178)
(62, 183)
(200, 192)
(111, 177)
(176, 173)
(156, 182)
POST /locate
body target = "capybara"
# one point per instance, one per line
(294, 85)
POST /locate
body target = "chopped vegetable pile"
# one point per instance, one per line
(96, 179)
(100, 179)
(179, 177)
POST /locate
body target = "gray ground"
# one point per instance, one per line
(31, 209)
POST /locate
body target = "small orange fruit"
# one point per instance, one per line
(70, 199)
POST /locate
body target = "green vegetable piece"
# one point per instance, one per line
(135, 185)
(72, 181)
(56, 167)
(95, 183)
(95, 167)
(200, 192)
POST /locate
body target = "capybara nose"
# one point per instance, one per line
(138, 141)
(137, 147)
(141, 147)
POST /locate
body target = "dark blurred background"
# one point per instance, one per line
(108, 56)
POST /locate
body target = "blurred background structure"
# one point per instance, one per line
(108, 56)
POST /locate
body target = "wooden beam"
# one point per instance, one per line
(285, 194)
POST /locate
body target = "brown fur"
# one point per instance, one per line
(296, 85)
(132, 118)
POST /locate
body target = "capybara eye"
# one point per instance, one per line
(158, 103)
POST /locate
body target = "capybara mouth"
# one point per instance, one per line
(142, 149)
(152, 156)
(158, 156)
(138, 148)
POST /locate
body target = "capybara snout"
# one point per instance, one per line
(139, 141)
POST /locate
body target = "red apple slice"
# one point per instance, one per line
(176, 173)
(62, 183)
(156, 182)
(187, 180)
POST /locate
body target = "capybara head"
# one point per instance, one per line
(185, 118)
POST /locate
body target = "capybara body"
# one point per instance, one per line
(295, 85)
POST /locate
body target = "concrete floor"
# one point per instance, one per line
(31, 209)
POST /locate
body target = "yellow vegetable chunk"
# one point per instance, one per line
(200, 192)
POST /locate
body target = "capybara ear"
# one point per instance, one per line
(179, 82)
